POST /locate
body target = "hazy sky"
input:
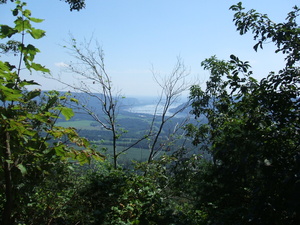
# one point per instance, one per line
(138, 34)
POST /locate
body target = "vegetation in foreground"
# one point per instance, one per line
(252, 135)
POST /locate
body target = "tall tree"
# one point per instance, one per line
(252, 131)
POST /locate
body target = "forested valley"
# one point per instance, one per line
(233, 158)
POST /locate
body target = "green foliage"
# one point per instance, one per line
(114, 197)
(31, 145)
(109, 196)
(252, 131)
(44, 199)
(23, 26)
(284, 35)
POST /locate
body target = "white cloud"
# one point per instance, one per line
(61, 64)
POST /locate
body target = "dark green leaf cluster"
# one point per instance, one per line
(284, 35)
(76, 4)
(252, 131)
(10, 46)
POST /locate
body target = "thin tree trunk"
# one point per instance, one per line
(152, 151)
(115, 149)
(8, 206)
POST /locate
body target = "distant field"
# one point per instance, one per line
(80, 124)
(136, 154)
(86, 124)
(135, 124)
(132, 154)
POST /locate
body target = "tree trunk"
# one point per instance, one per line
(8, 206)
(115, 154)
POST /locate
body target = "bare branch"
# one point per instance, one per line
(93, 80)
(172, 87)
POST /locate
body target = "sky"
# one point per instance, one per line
(138, 35)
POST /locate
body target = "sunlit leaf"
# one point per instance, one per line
(22, 25)
(8, 94)
(22, 168)
(59, 150)
(27, 13)
(37, 33)
(39, 67)
(36, 20)
(67, 112)
(74, 100)
(28, 82)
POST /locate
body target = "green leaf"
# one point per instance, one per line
(36, 20)
(59, 150)
(74, 100)
(37, 33)
(27, 13)
(5, 69)
(98, 157)
(22, 25)
(62, 97)
(9, 161)
(26, 82)
(83, 158)
(7, 31)
(8, 94)
(66, 112)
(31, 50)
(22, 169)
(39, 67)
(15, 12)
(33, 94)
